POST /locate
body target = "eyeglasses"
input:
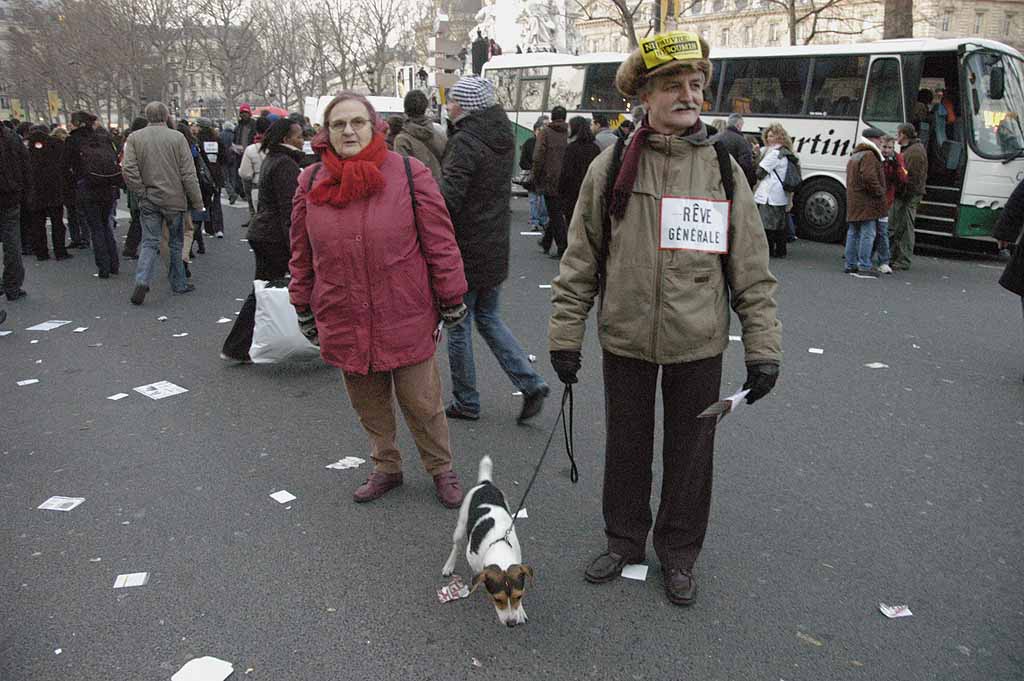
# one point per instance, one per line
(356, 124)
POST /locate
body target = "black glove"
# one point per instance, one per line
(566, 363)
(307, 325)
(760, 380)
(453, 315)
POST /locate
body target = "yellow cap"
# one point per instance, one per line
(665, 47)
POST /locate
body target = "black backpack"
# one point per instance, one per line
(791, 182)
(98, 162)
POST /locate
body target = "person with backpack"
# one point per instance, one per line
(92, 159)
(666, 269)
(775, 186)
(375, 268)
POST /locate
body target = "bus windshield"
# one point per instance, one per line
(996, 123)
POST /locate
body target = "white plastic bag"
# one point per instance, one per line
(276, 336)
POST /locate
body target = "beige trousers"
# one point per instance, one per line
(418, 389)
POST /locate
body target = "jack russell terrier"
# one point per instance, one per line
(493, 549)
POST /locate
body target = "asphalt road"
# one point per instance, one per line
(847, 487)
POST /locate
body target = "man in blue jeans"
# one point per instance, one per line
(865, 201)
(476, 181)
(158, 168)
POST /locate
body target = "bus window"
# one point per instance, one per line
(883, 103)
(996, 124)
(837, 86)
(765, 86)
(567, 87)
(533, 84)
(505, 84)
(599, 93)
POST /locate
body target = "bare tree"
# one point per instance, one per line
(899, 19)
(821, 17)
(625, 14)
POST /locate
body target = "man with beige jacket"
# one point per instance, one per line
(159, 168)
(667, 270)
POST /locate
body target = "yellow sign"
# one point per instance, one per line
(53, 103)
(664, 47)
(16, 111)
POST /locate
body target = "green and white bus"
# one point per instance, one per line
(824, 95)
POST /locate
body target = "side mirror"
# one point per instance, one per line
(997, 82)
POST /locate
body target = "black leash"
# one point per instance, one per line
(567, 424)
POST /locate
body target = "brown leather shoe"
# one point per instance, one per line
(449, 491)
(376, 486)
(680, 585)
(606, 567)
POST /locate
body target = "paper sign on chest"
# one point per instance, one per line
(694, 224)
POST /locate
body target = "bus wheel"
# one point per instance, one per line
(821, 210)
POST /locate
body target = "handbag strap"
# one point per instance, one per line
(412, 191)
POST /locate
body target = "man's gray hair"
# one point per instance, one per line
(156, 112)
(907, 129)
(735, 120)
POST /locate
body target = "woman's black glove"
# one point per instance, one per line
(760, 380)
(453, 315)
(566, 363)
(307, 325)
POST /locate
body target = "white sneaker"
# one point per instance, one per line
(219, 235)
(884, 269)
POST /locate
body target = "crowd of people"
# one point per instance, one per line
(390, 230)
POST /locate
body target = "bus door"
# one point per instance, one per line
(937, 114)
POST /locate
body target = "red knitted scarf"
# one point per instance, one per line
(349, 179)
(623, 188)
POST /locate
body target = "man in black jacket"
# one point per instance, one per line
(476, 181)
(47, 166)
(738, 147)
(14, 182)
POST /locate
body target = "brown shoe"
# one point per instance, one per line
(449, 491)
(606, 567)
(680, 585)
(376, 486)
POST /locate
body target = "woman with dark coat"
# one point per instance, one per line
(1008, 231)
(48, 169)
(270, 229)
(213, 153)
(582, 149)
(206, 186)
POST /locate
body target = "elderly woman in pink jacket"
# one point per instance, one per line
(375, 269)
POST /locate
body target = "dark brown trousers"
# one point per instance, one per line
(687, 389)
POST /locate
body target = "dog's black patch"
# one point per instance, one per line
(487, 494)
(479, 532)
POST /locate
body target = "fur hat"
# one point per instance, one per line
(634, 73)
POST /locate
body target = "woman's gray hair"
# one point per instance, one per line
(156, 112)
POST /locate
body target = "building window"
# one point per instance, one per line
(741, 5)
(979, 22)
(748, 36)
(1008, 25)
(5, 102)
(773, 33)
(697, 8)
(725, 37)
(718, 5)
(946, 19)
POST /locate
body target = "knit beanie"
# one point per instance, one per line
(473, 93)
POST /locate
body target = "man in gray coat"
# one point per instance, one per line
(159, 168)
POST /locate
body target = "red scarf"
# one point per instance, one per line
(348, 179)
(623, 188)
